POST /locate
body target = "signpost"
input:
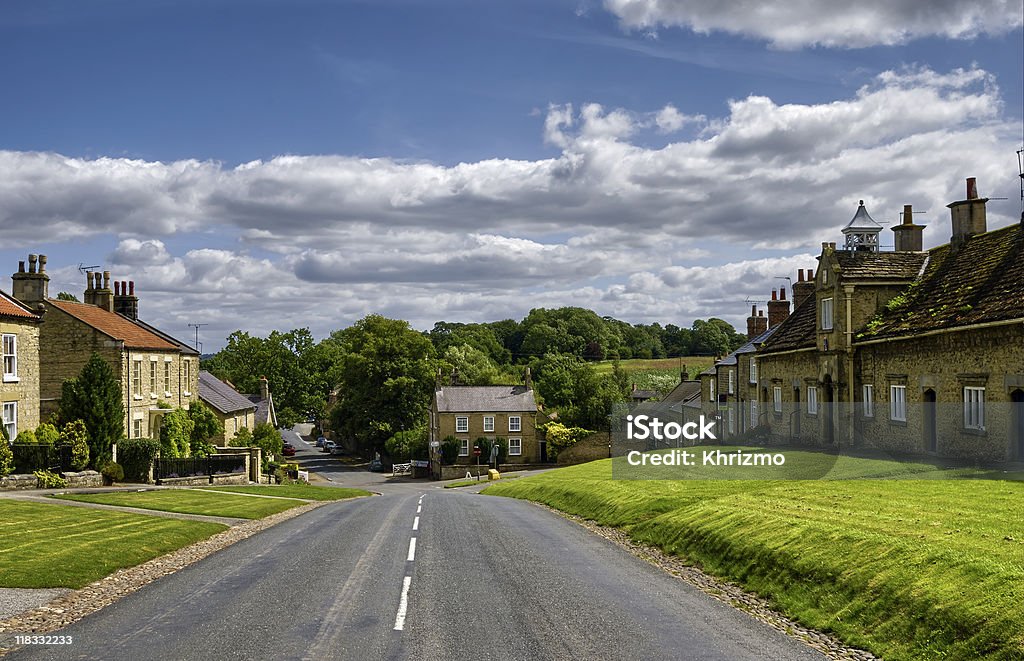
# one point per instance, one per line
(476, 453)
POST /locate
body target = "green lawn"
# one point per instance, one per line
(50, 546)
(187, 501)
(693, 363)
(303, 491)
(907, 568)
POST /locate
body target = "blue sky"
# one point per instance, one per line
(265, 164)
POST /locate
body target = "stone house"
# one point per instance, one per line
(264, 402)
(908, 351)
(471, 412)
(154, 370)
(233, 409)
(19, 350)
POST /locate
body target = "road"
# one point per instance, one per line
(420, 572)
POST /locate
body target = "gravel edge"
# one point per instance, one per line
(77, 604)
(728, 593)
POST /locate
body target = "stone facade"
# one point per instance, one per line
(19, 373)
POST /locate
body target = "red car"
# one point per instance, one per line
(289, 450)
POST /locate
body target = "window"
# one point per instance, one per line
(732, 381)
(188, 378)
(463, 447)
(812, 400)
(10, 349)
(753, 413)
(515, 423)
(826, 314)
(10, 421)
(869, 400)
(753, 370)
(713, 391)
(167, 377)
(488, 423)
(137, 428)
(898, 403)
(974, 408)
(515, 447)
(137, 379)
(777, 398)
(462, 424)
(731, 417)
(152, 378)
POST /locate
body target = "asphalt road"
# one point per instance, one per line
(486, 578)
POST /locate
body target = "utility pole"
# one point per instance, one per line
(197, 327)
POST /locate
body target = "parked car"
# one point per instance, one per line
(337, 449)
(320, 441)
(288, 450)
(376, 466)
(328, 446)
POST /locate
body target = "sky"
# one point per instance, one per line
(271, 164)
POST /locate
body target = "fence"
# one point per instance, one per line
(29, 457)
(215, 464)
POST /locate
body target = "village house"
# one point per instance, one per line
(907, 351)
(233, 409)
(155, 371)
(265, 412)
(467, 413)
(19, 385)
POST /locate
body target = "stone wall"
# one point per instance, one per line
(17, 482)
(591, 448)
(83, 479)
(205, 480)
(25, 390)
(455, 472)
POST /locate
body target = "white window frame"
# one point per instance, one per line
(974, 407)
(753, 370)
(713, 391)
(515, 423)
(188, 378)
(812, 400)
(9, 416)
(515, 447)
(152, 377)
(137, 428)
(777, 398)
(730, 416)
(827, 314)
(461, 424)
(869, 400)
(167, 377)
(489, 423)
(137, 378)
(732, 382)
(753, 413)
(898, 403)
(463, 447)
(10, 354)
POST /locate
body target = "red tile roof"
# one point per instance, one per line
(10, 307)
(114, 325)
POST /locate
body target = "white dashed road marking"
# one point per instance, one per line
(403, 604)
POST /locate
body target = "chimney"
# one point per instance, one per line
(778, 308)
(909, 237)
(761, 323)
(803, 288)
(125, 301)
(103, 297)
(752, 323)
(264, 389)
(528, 379)
(32, 286)
(968, 215)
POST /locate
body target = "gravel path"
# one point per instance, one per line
(19, 600)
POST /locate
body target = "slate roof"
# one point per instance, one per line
(752, 345)
(859, 265)
(220, 395)
(981, 282)
(682, 392)
(862, 220)
(644, 394)
(184, 348)
(114, 325)
(797, 331)
(485, 399)
(264, 409)
(12, 307)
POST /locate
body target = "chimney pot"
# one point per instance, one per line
(760, 313)
(775, 295)
(32, 263)
(782, 293)
(908, 214)
(131, 288)
(21, 266)
(972, 188)
(106, 279)
(42, 263)
(117, 288)
(89, 276)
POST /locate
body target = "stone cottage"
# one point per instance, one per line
(19, 385)
(233, 409)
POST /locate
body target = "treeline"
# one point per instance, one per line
(375, 379)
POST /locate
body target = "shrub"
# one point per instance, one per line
(113, 471)
(485, 449)
(176, 434)
(94, 397)
(241, 439)
(268, 439)
(47, 434)
(47, 480)
(560, 437)
(449, 450)
(136, 457)
(205, 426)
(6, 459)
(27, 437)
(75, 434)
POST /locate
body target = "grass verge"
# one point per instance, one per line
(186, 501)
(906, 568)
(303, 491)
(55, 546)
(469, 483)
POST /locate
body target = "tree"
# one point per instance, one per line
(175, 433)
(241, 439)
(268, 439)
(473, 366)
(94, 397)
(76, 435)
(66, 296)
(47, 434)
(205, 426)
(410, 444)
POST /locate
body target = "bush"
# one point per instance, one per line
(27, 437)
(176, 434)
(560, 437)
(75, 434)
(449, 450)
(47, 434)
(485, 449)
(241, 439)
(47, 480)
(6, 458)
(268, 439)
(113, 471)
(136, 457)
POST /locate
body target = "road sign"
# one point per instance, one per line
(435, 444)
(476, 450)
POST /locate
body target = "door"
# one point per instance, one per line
(930, 440)
(1017, 423)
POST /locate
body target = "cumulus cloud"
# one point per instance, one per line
(801, 23)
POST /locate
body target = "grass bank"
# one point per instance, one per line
(907, 568)
(51, 546)
(303, 491)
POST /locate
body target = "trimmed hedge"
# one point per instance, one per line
(136, 457)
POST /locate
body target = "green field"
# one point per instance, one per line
(50, 546)
(693, 363)
(303, 491)
(187, 501)
(906, 568)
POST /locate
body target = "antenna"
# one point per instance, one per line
(85, 269)
(787, 279)
(749, 300)
(197, 327)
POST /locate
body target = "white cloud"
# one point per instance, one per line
(800, 23)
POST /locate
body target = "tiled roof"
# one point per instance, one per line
(981, 282)
(797, 331)
(11, 307)
(682, 392)
(858, 265)
(485, 399)
(114, 325)
(644, 394)
(220, 395)
(752, 345)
